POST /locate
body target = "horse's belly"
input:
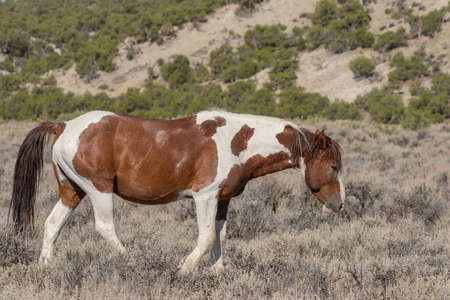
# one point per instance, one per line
(152, 199)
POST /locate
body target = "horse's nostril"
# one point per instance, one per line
(341, 206)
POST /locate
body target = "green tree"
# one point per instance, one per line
(177, 72)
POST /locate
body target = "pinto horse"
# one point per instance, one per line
(209, 157)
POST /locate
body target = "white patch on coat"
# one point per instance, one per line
(341, 186)
(66, 146)
(53, 226)
(161, 138)
(263, 141)
(302, 167)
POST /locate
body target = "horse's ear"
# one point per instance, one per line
(322, 140)
(317, 131)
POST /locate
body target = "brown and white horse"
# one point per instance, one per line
(209, 157)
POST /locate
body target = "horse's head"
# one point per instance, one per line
(323, 173)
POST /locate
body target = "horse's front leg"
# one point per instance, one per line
(221, 233)
(206, 208)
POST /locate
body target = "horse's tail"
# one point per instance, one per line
(27, 173)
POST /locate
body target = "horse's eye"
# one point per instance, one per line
(334, 168)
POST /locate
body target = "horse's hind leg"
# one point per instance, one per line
(104, 221)
(70, 195)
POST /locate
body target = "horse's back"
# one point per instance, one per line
(141, 159)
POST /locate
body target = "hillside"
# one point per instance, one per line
(383, 60)
(319, 70)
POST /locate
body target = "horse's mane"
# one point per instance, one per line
(334, 149)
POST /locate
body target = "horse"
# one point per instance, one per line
(208, 157)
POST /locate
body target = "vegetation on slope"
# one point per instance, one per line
(92, 31)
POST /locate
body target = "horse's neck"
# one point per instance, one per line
(264, 153)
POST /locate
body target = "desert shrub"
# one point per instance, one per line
(364, 196)
(365, 38)
(315, 37)
(14, 42)
(248, 4)
(205, 97)
(414, 24)
(262, 36)
(383, 106)
(362, 67)
(341, 110)
(421, 203)
(10, 83)
(407, 69)
(178, 72)
(390, 40)
(434, 107)
(339, 27)
(237, 94)
(324, 13)
(414, 119)
(221, 60)
(255, 213)
(296, 103)
(415, 88)
(261, 102)
(432, 22)
(282, 74)
(441, 84)
(8, 64)
(15, 248)
(246, 69)
(202, 73)
(87, 68)
(297, 38)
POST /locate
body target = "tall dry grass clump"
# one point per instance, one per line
(391, 242)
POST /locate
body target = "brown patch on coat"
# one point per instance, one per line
(256, 166)
(119, 154)
(240, 140)
(209, 127)
(290, 138)
(69, 193)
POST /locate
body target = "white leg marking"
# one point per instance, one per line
(217, 252)
(104, 222)
(53, 226)
(206, 209)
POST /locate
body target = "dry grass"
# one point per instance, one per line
(392, 242)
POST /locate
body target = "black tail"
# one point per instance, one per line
(27, 172)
